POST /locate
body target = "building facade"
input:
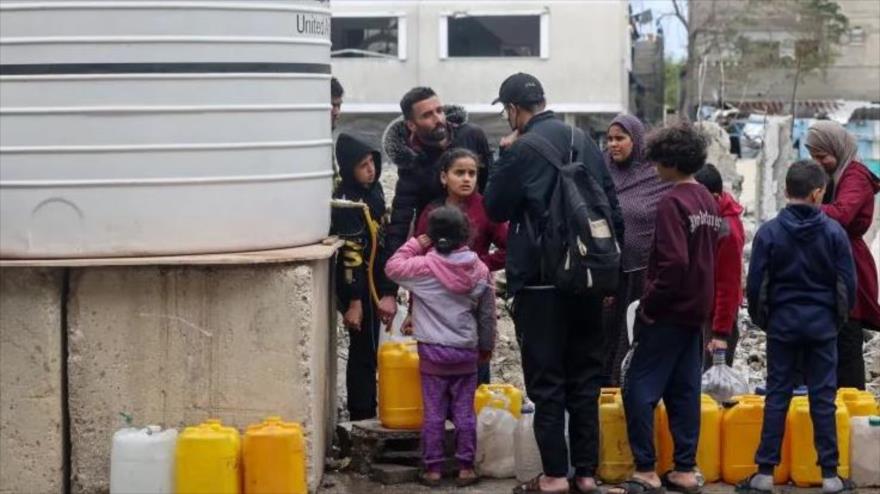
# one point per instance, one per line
(728, 32)
(580, 50)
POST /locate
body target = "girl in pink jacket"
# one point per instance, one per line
(454, 323)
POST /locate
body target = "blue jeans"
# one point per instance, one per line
(667, 364)
(820, 368)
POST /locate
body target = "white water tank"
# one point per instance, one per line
(136, 127)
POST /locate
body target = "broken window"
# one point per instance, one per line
(762, 53)
(364, 37)
(857, 35)
(494, 36)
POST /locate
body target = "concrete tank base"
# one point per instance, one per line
(31, 360)
(170, 344)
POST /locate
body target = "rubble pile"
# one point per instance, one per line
(506, 361)
(751, 355)
(872, 363)
(341, 362)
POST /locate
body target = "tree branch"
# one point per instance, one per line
(679, 13)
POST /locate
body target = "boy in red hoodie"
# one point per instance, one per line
(728, 265)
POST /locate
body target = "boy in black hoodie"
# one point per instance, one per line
(360, 166)
(801, 287)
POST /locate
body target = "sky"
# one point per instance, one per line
(674, 32)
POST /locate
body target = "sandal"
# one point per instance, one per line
(462, 482)
(675, 487)
(638, 486)
(745, 487)
(534, 485)
(430, 482)
(848, 487)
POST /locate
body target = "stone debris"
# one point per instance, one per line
(506, 362)
(872, 363)
(718, 153)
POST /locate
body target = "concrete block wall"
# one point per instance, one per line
(168, 345)
(772, 163)
(31, 412)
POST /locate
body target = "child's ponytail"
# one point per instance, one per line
(448, 229)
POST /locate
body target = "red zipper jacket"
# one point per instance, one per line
(728, 266)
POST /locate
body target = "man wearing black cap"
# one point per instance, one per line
(560, 334)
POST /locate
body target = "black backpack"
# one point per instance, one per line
(576, 241)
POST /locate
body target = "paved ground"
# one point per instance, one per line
(340, 483)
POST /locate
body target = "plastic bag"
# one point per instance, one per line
(394, 333)
(721, 382)
(527, 455)
(495, 443)
(630, 334)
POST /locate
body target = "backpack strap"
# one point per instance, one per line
(546, 149)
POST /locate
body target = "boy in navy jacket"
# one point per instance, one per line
(360, 167)
(801, 286)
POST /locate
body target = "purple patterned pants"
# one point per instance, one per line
(449, 396)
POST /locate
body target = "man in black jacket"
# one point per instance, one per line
(414, 143)
(560, 335)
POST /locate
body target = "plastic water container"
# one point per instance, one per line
(274, 458)
(208, 460)
(804, 470)
(740, 437)
(504, 396)
(865, 457)
(142, 460)
(149, 128)
(858, 403)
(400, 386)
(709, 446)
(616, 462)
(663, 445)
(496, 449)
(709, 449)
(526, 452)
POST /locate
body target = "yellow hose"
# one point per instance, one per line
(373, 228)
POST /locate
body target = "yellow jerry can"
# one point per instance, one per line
(615, 456)
(400, 386)
(740, 437)
(804, 470)
(709, 446)
(208, 460)
(274, 458)
(503, 396)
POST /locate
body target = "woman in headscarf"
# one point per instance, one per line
(638, 190)
(850, 201)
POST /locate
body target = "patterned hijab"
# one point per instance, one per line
(832, 138)
(636, 131)
(638, 191)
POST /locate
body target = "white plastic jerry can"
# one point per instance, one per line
(865, 455)
(142, 460)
